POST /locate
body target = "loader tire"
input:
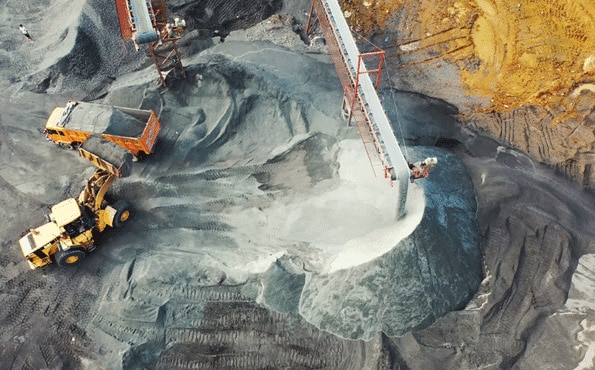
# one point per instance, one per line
(70, 256)
(122, 213)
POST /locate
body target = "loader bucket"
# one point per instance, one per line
(107, 156)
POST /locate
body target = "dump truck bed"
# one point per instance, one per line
(104, 119)
(135, 130)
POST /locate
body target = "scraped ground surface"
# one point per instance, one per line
(524, 71)
(282, 192)
(512, 52)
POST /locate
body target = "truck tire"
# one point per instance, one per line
(72, 146)
(70, 256)
(66, 146)
(122, 213)
(140, 156)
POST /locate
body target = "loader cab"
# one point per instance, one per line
(81, 224)
(73, 219)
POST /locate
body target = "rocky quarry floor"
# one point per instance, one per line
(260, 237)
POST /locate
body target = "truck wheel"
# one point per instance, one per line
(122, 213)
(70, 256)
(66, 146)
(140, 156)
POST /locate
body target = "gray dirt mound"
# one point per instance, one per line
(222, 102)
(309, 153)
(236, 210)
(435, 270)
(84, 61)
(218, 18)
(239, 144)
(84, 56)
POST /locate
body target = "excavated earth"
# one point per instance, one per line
(523, 71)
(220, 266)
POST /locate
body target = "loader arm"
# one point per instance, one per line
(111, 161)
(94, 192)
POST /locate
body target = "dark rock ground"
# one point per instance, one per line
(533, 227)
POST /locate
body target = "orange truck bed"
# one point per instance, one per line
(135, 130)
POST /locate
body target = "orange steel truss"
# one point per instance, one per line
(124, 19)
(167, 59)
(358, 72)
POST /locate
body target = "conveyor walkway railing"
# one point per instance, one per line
(361, 99)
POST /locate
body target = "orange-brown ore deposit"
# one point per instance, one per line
(531, 64)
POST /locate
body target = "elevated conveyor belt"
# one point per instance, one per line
(361, 95)
(141, 15)
(146, 22)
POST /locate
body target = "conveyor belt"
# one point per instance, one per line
(368, 108)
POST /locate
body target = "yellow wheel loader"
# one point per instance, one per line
(67, 237)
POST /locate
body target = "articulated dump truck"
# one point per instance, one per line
(68, 236)
(135, 130)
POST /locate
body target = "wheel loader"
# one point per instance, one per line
(68, 236)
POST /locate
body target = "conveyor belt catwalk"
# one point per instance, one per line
(146, 22)
(361, 99)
